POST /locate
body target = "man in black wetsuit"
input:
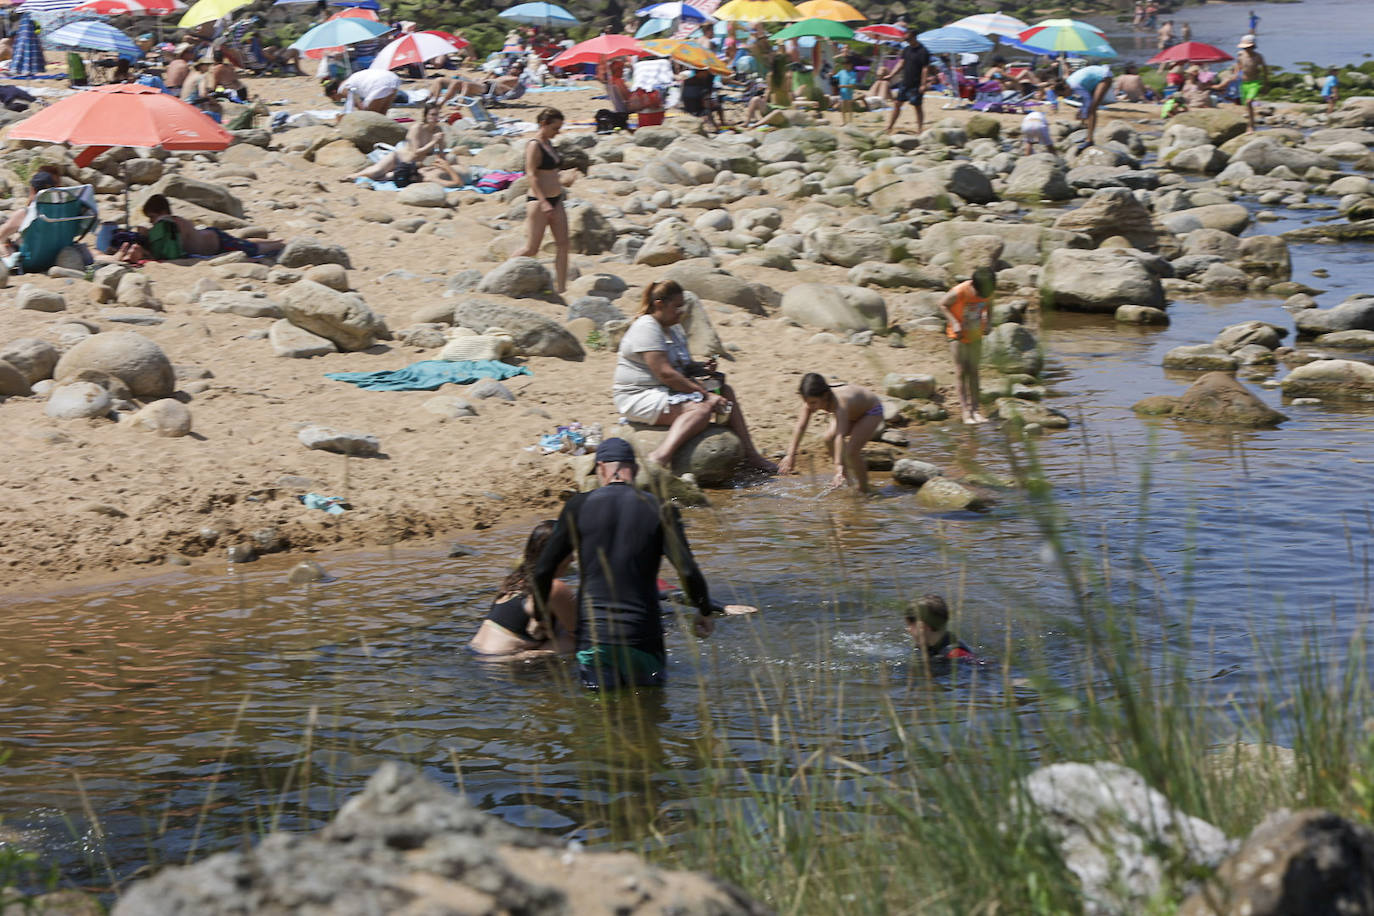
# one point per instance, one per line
(620, 535)
(928, 624)
(914, 62)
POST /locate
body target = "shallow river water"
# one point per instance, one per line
(166, 717)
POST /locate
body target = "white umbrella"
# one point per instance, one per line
(415, 48)
(999, 24)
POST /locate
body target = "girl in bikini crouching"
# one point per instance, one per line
(857, 415)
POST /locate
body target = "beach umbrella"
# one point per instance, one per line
(1194, 51)
(44, 8)
(1055, 35)
(539, 13)
(595, 50)
(122, 114)
(675, 9)
(92, 35)
(684, 52)
(209, 11)
(880, 32)
(336, 33)
(952, 40)
(998, 23)
(759, 11)
(28, 52)
(130, 7)
(837, 10)
(415, 48)
(816, 28)
(653, 27)
(355, 13)
(372, 5)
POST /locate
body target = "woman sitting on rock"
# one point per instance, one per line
(513, 626)
(657, 383)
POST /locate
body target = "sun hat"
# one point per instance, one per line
(1247, 41)
(615, 450)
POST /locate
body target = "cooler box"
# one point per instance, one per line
(650, 118)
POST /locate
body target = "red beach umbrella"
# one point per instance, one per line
(882, 32)
(415, 48)
(356, 12)
(1195, 51)
(122, 114)
(595, 50)
(135, 7)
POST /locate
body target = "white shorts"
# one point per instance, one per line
(648, 405)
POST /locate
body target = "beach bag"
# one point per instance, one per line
(405, 173)
(497, 180)
(607, 120)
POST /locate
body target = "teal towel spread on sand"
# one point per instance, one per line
(429, 374)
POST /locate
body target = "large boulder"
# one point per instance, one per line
(306, 252)
(518, 278)
(713, 456)
(343, 318)
(1205, 159)
(1264, 155)
(1116, 212)
(968, 182)
(1232, 218)
(37, 299)
(408, 845)
(1309, 861)
(423, 194)
(1200, 358)
(233, 302)
(365, 129)
(1220, 124)
(12, 381)
(132, 358)
(1248, 333)
(589, 232)
(1098, 281)
(34, 358)
(1038, 177)
(294, 342)
(1122, 839)
(1331, 378)
(533, 334)
(1011, 347)
(201, 193)
(944, 495)
(672, 241)
(898, 194)
(340, 154)
(702, 339)
(846, 247)
(835, 307)
(1022, 243)
(721, 286)
(1218, 398)
(1354, 314)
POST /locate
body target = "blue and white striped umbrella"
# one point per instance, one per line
(953, 40)
(28, 52)
(41, 7)
(94, 36)
(673, 9)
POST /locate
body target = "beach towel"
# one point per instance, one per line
(429, 374)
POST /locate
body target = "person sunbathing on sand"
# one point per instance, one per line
(424, 137)
(171, 238)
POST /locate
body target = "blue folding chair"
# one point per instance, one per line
(61, 216)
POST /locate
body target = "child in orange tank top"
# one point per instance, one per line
(967, 315)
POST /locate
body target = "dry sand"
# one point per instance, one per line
(88, 497)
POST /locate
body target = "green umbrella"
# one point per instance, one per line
(820, 28)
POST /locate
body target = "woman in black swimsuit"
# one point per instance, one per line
(512, 627)
(545, 201)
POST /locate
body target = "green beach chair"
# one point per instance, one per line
(58, 217)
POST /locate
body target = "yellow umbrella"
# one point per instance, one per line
(208, 11)
(837, 10)
(684, 52)
(759, 11)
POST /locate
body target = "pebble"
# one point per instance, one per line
(307, 571)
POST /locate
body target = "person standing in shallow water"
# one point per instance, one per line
(856, 415)
(1253, 74)
(967, 318)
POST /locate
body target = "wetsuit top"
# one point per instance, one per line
(948, 649)
(620, 535)
(510, 616)
(547, 161)
(969, 308)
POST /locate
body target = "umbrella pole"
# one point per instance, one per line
(124, 176)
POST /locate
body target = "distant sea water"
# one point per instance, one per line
(1326, 32)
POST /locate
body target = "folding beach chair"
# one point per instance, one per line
(58, 217)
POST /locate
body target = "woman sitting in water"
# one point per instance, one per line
(512, 626)
(857, 415)
(656, 381)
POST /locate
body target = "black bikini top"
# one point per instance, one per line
(547, 160)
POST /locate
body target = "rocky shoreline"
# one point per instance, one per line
(809, 246)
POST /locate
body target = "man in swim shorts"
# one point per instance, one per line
(912, 66)
(621, 534)
(1253, 74)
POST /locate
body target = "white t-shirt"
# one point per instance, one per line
(645, 334)
(368, 85)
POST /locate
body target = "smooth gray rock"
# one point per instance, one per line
(1200, 357)
(846, 247)
(343, 318)
(944, 495)
(490, 388)
(835, 307)
(1022, 243)
(1012, 347)
(1119, 837)
(518, 278)
(1098, 281)
(589, 232)
(201, 193)
(670, 241)
(132, 358)
(323, 438)
(35, 359)
(533, 334)
(913, 473)
(36, 299)
(77, 401)
(717, 285)
(596, 308)
(1331, 378)
(1354, 314)
(365, 129)
(167, 417)
(135, 290)
(423, 194)
(1024, 412)
(907, 387)
(233, 302)
(1040, 176)
(294, 342)
(1235, 336)
(12, 381)
(331, 275)
(303, 252)
(1141, 314)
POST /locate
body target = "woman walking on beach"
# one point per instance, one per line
(857, 415)
(544, 205)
